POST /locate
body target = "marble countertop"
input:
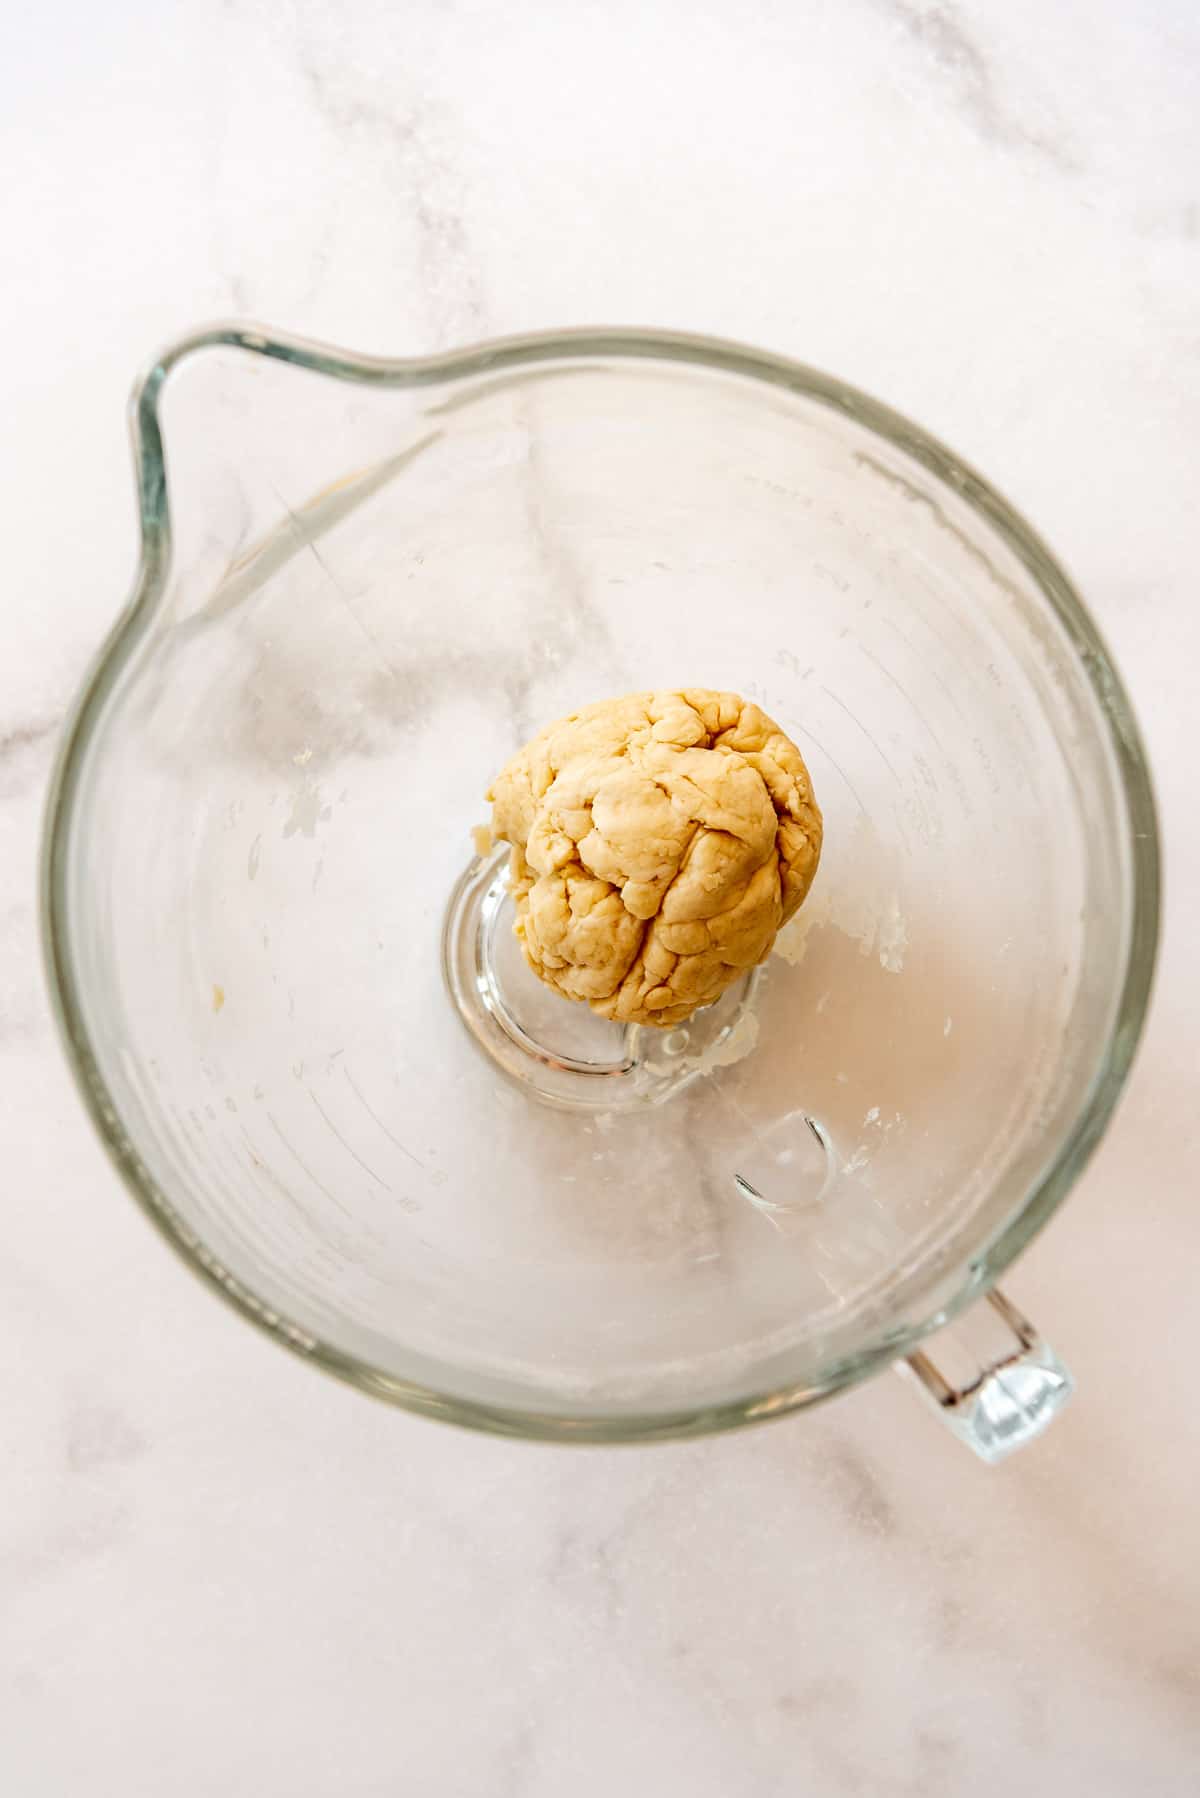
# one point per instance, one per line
(220, 1572)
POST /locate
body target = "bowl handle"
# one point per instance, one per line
(995, 1383)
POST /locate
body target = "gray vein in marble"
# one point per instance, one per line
(98, 1436)
(939, 1762)
(942, 37)
(25, 736)
(63, 1546)
(948, 1623)
(515, 1761)
(857, 1488)
(448, 272)
(19, 764)
(601, 1557)
(22, 1029)
(1180, 1678)
(824, 1694)
(595, 1560)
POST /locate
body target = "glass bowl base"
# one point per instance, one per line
(560, 1051)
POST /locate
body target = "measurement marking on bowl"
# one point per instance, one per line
(353, 1153)
(374, 1115)
(905, 695)
(300, 1161)
(926, 666)
(869, 735)
(854, 794)
(268, 1173)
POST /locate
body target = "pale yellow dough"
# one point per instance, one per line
(658, 843)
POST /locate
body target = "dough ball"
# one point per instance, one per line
(658, 843)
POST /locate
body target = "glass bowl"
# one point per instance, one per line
(287, 980)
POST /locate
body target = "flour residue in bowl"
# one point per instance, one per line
(878, 928)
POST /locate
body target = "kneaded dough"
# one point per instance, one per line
(658, 843)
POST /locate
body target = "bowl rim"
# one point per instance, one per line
(1044, 1195)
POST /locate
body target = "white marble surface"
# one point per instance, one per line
(221, 1573)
